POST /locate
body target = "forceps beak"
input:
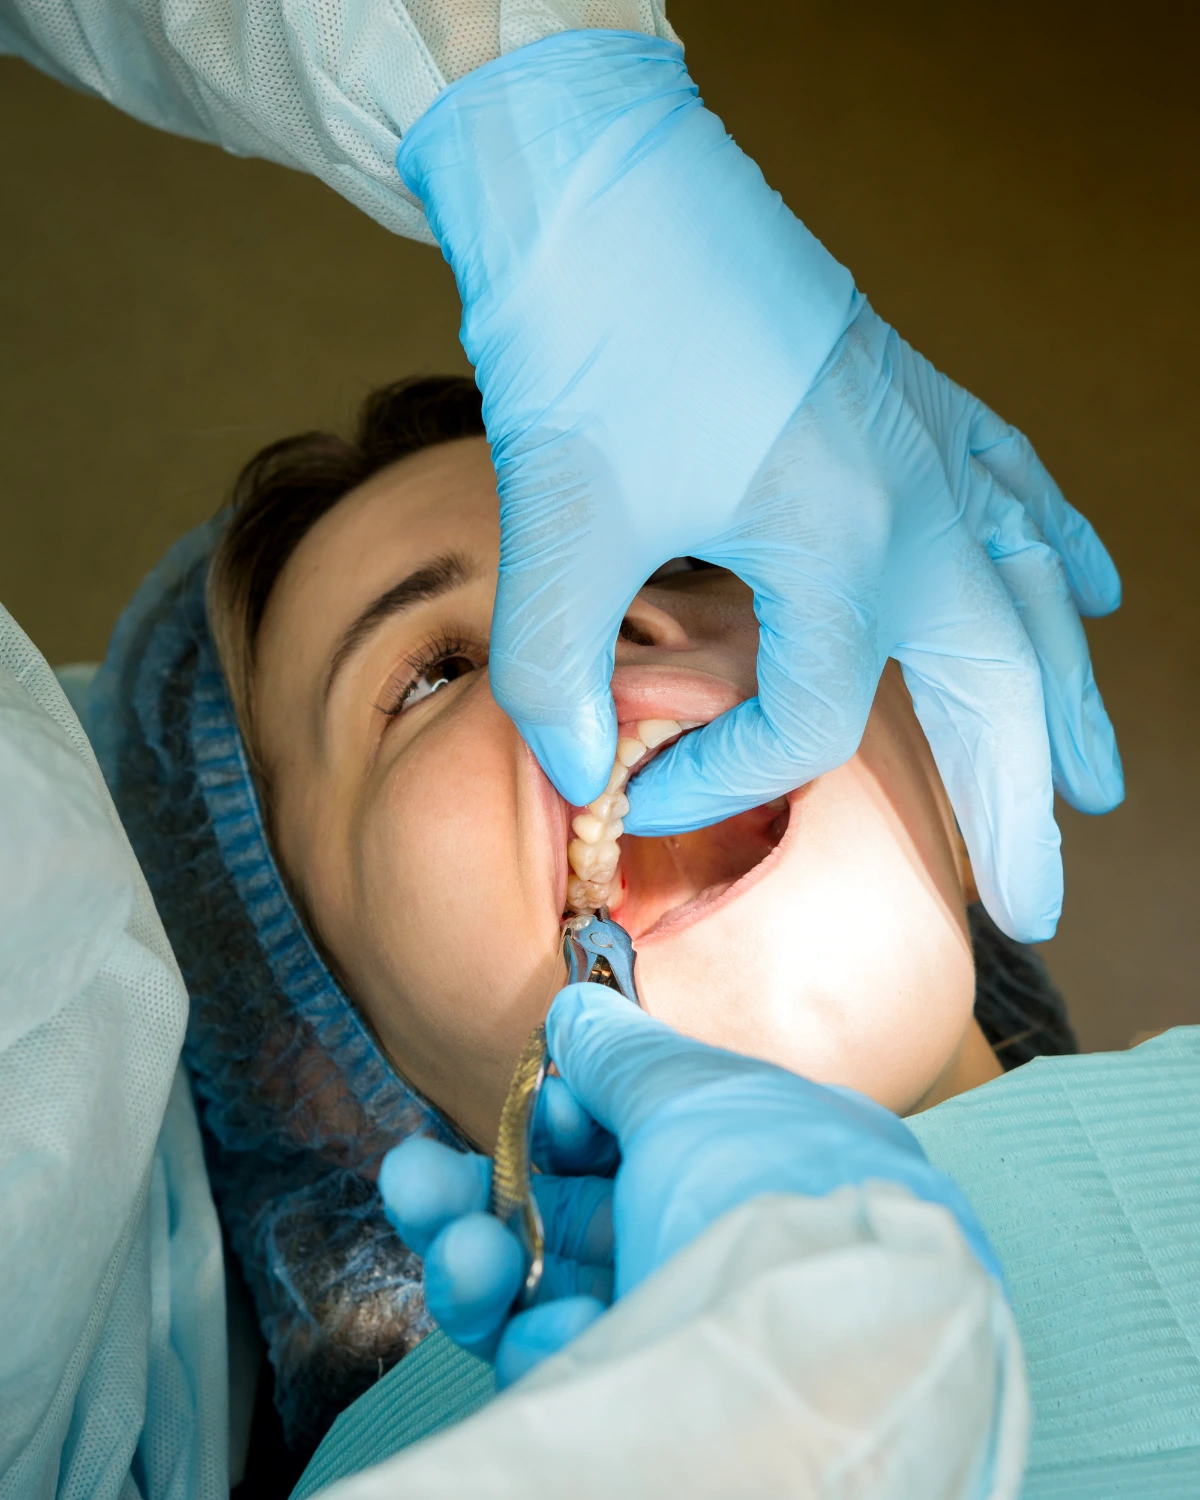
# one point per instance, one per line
(599, 950)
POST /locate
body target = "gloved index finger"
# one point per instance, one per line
(621, 1064)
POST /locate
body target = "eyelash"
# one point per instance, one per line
(440, 648)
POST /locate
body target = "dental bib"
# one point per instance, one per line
(1085, 1172)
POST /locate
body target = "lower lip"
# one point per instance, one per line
(718, 897)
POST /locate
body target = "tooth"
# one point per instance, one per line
(593, 830)
(629, 752)
(609, 805)
(608, 856)
(590, 828)
(579, 857)
(594, 861)
(690, 723)
(586, 895)
(652, 732)
(593, 854)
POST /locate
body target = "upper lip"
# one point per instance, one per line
(646, 692)
(679, 693)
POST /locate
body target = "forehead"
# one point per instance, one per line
(443, 496)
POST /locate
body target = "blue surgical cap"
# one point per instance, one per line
(298, 1101)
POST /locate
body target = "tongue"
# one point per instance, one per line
(663, 875)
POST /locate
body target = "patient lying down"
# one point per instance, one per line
(827, 932)
(350, 598)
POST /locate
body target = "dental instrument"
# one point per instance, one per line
(597, 950)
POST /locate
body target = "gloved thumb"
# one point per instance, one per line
(623, 1065)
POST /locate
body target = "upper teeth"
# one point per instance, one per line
(593, 853)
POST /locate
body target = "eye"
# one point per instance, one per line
(429, 679)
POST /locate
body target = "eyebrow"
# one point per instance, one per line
(439, 576)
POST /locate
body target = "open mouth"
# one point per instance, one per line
(670, 881)
(664, 883)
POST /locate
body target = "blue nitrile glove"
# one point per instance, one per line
(700, 1131)
(672, 365)
(437, 1198)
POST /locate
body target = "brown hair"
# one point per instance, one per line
(287, 487)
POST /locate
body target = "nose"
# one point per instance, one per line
(648, 624)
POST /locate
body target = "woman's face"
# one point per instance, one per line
(826, 933)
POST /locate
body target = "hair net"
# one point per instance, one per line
(1019, 1008)
(298, 1101)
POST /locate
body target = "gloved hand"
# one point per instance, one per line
(699, 1132)
(672, 365)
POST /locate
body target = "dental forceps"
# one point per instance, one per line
(597, 950)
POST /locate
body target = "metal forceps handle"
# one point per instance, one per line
(598, 950)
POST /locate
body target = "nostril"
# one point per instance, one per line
(648, 624)
(633, 633)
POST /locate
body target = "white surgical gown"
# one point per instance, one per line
(328, 86)
(112, 1298)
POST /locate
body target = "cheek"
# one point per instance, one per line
(848, 962)
(456, 923)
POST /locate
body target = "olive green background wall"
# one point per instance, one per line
(1014, 186)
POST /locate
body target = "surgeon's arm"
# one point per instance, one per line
(327, 88)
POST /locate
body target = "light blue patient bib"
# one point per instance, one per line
(1085, 1172)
